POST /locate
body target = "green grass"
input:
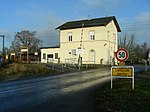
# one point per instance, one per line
(16, 71)
(122, 98)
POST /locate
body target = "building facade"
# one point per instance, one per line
(94, 40)
(50, 54)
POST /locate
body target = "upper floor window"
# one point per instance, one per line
(92, 35)
(108, 34)
(70, 36)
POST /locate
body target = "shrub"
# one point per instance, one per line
(18, 70)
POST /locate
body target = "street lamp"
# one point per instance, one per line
(3, 44)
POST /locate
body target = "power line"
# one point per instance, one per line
(135, 26)
(131, 23)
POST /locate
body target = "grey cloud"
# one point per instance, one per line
(44, 23)
(103, 3)
(144, 17)
(107, 7)
(139, 25)
(50, 37)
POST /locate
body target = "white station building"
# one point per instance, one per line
(95, 40)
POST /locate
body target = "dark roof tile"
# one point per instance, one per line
(53, 47)
(89, 23)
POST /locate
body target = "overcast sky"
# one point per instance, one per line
(44, 16)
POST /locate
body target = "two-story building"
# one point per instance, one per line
(95, 40)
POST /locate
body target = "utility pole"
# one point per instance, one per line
(3, 45)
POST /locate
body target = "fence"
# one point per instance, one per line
(69, 64)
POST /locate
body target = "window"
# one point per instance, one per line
(56, 55)
(50, 56)
(92, 35)
(70, 36)
(108, 33)
(44, 55)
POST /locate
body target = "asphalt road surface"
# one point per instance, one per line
(71, 92)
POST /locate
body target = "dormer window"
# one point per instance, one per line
(92, 35)
(69, 37)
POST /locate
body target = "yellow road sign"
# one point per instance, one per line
(122, 72)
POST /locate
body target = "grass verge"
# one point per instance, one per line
(122, 98)
(16, 71)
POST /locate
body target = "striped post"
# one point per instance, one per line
(81, 35)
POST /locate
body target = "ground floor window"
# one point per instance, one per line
(56, 55)
(50, 56)
(44, 55)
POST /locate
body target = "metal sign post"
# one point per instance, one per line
(122, 71)
(79, 62)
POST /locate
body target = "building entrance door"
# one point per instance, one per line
(92, 56)
(50, 58)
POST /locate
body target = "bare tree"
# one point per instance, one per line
(128, 43)
(25, 38)
(136, 51)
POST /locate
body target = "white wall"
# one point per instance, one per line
(104, 45)
(49, 51)
(101, 50)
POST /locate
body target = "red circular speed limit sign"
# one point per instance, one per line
(122, 54)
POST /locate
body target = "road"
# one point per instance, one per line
(62, 93)
(72, 92)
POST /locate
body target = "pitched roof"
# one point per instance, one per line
(90, 23)
(53, 47)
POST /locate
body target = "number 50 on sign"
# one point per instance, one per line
(122, 54)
